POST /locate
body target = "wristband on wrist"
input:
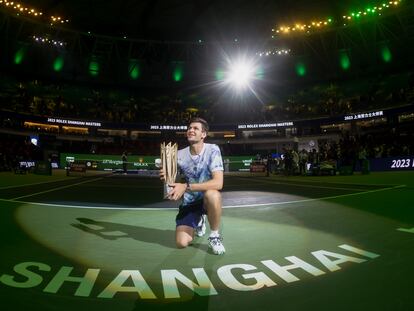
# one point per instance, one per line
(188, 188)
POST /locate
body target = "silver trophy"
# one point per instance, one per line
(169, 165)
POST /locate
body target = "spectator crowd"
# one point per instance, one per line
(143, 106)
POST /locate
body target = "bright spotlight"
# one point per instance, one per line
(240, 74)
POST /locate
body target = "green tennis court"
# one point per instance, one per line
(293, 243)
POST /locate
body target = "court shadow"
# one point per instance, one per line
(202, 246)
(114, 231)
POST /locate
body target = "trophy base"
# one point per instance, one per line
(167, 190)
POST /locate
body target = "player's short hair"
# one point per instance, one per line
(204, 124)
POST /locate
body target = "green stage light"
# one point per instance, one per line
(178, 75)
(344, 61)
(133, 69)
(260, 73)
(18, 57)
(386, 54)
(58, 64)
(178, 71)
(219, 74)
(301, 69)
(93, 67)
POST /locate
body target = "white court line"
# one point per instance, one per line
(339, 183)
(305, 186)
(317, 199)
(54, 189)
(228, 206)
(35, 183)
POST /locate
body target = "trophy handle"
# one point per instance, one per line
(169, 165)
(167, 190)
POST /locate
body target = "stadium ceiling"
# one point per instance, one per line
(160, 36)
(187, 20)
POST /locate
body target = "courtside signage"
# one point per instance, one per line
(73, 122)
(366, 115)
(110, 162)
(169, 127)
(392, 164)
(239, 277)
(264, 125)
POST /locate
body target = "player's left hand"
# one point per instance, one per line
(177, 191)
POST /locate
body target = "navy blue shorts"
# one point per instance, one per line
(190, 215)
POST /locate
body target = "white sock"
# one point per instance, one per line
(214, 233)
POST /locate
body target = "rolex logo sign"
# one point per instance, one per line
(141, 163)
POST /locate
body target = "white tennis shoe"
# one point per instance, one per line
(200, 230)
(216, 245)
